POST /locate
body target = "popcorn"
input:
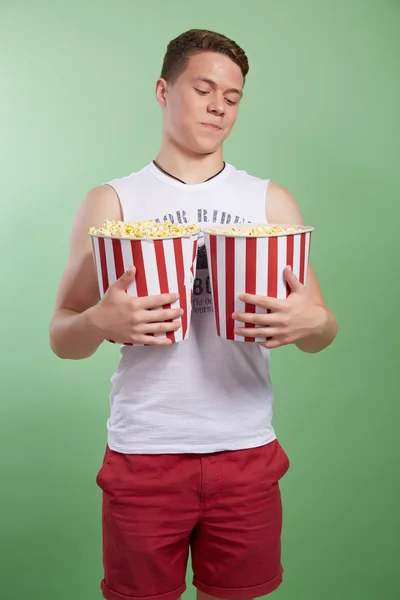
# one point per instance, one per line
(143, 229)
(255, 230)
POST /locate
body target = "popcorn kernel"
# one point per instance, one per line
(143, 229)
(254, 230)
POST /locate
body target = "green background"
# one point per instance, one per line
(321, 117)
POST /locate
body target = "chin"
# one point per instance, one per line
(209, 150)
(206, 147)
(199, 145)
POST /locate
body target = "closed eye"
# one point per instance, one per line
(204, 93)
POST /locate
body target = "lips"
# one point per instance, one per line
(212, 126)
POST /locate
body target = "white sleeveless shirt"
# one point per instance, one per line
(204, 394)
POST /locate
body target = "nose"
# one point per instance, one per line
(216, 106)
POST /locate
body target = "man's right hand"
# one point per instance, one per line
(126, 319)
(81, 320)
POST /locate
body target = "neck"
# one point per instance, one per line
(189, 167)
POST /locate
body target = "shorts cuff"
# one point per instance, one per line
(240, 593)
(109, 594)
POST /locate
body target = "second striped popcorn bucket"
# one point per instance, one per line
(163, 266)
(253, 264)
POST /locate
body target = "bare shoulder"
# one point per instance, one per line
(78, 287)
(281, 206)
(98, 204)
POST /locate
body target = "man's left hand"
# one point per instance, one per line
(287, 321)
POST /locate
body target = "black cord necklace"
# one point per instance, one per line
(173, 176)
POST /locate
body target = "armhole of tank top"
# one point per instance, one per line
(112, 185)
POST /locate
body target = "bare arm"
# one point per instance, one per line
(281, 207)
(81, 322)
(73, 333)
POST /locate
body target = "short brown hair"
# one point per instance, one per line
(180, 49)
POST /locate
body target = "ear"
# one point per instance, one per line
(161, 92)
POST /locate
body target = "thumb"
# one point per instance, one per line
(292, 280)
(126, 278)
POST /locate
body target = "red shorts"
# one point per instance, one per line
(224, 507)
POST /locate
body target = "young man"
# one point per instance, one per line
(192, 460)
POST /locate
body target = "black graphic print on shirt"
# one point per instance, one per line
(204, 217)
(202, 298)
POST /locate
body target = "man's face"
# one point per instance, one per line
(200, 107)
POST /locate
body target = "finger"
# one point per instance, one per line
(147, 328)
(125, 279)
(149, 340)
(259, 332)
(275, 342)
(266, 319)
(157, 301)
(263, 301)
(291, 279)
(162, 314)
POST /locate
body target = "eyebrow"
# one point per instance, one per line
(213, 84)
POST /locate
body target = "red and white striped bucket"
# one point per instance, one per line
(254, 265)
(163, 266)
